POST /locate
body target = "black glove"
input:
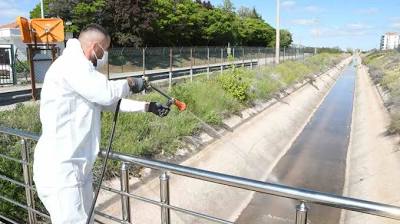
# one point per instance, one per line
(138, 85)
(158, 109)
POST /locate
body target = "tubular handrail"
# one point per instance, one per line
(300, 194)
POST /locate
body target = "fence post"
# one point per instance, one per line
(164, 198)
(31, 54)
(170, 68)
(125, 202)
(301, 213)
(243, 57)
(30, 201)
(222, 60)
(284, 53)
(251, 59)
(266, 55)
(12, 65)
(208, 63)
(233, 56)
(144, 61)
(191, 64)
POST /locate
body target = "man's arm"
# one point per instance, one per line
(95, 87)
(128, 106)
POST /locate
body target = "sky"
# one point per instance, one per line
(331, 23)
(322, 23)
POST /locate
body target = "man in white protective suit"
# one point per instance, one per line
(73, 95)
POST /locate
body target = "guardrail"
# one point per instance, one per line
(303, 196)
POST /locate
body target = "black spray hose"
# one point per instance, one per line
(103, 170)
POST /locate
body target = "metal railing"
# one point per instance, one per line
(303, 196)
(168, 63)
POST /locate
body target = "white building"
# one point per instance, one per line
(390, 41)
(10, 34)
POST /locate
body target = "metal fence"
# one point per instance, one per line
(125, 62)
(303, 196)
(7, 65)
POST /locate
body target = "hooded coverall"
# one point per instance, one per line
(72, 98)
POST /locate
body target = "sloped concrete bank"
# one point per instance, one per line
(251, 150)
(373, 159)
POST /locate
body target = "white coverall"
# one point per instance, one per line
(72, 98)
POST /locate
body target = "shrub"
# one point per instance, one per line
(237, 82)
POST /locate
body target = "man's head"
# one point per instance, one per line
(94, 40)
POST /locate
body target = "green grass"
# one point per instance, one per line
(210, 100)
(384, 68)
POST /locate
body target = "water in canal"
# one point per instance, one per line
(316, 160)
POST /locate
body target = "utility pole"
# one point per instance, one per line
(41, 8)
(278, 38)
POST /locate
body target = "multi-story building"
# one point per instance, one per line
(390, 41)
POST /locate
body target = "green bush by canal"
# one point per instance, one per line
(384, 69)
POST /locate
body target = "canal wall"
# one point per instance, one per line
(373, 159)
(251, 150)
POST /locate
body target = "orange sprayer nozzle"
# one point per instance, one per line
(181, 105)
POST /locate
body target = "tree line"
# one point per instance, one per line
(142, 23)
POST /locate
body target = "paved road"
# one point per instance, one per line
(316, 160)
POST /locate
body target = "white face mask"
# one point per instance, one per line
(101, 61)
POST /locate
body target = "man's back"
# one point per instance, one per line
(70, 118)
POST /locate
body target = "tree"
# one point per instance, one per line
(167, 22)
(227, 6)
(221, 28)
(178, 23)
(205, 4)
(285, 39)
(247, 12)
(36, 12)
(86, 12)
(129, 21)
(79, 12)
(255, 32)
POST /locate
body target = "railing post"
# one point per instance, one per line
(164, 198)
(301, 213)
(125, 202)
(30, 201)
(191, 64)
(170, 68)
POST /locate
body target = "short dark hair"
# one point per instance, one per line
(95, 27)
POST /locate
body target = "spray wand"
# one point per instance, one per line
(171, 101)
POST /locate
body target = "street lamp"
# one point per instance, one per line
(278, 33)
(41, 8)
(68, 34)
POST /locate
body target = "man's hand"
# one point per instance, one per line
(136, 85)
(157, 109)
